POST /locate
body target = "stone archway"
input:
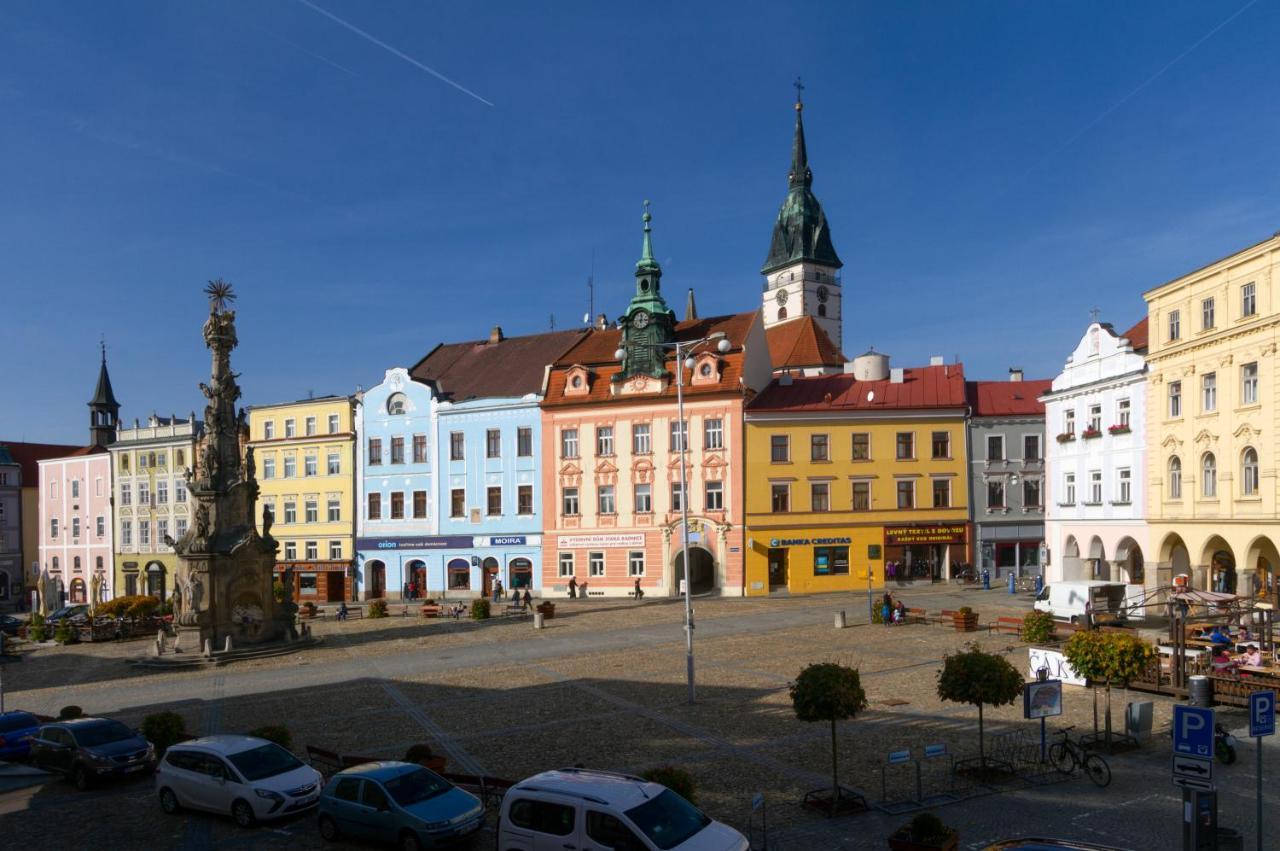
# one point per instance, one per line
(1218, 563)
(1259, 573)
(1128, 562)
(1097, 566)
(375, 573)
(702, 570)
(1072, 565)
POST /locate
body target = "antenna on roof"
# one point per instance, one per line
(591, 288)
(553, 322)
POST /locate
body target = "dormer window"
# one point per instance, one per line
(396, 404)
(578, 382)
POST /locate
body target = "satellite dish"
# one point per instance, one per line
(586, 319)
(871, 395)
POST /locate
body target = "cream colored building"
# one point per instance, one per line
(305, 457)
(1212, 438)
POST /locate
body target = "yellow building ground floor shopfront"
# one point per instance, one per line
(145, 573)
(818, 559)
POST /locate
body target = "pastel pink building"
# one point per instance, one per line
(75, 531)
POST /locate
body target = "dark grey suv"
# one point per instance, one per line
(89, 749)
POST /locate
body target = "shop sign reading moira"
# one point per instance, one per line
(604, 542)
(904, 535)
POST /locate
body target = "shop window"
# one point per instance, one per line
(308, 584)
(521, 573)
(830, 561)
(459, 575)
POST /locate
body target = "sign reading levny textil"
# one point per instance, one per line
(903, 535)
(604, 542)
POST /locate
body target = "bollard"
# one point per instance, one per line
(1039, 583)
(986, 579)
(537, 620)
(227, 647)
(177, 642)
(1013, 589)
(840, 621)
(208, 648)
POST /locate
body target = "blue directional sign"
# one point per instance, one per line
(1193, 731)
(1262, 713)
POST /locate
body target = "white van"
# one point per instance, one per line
(1066, 600)
(602, 811)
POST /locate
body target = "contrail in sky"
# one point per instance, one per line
(407, 58)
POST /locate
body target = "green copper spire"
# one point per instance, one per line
(801, 232)
(646, 250)
(648, 323)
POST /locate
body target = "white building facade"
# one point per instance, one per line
(1095, 416)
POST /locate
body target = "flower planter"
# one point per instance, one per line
(1119, 430)
(965, 622)
(1090, 434)
(902, 841)
(1066, 437)
(547, 610)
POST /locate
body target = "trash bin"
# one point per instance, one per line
(537, 620)
(1137, 720)
(1200, 690)
(840, 621)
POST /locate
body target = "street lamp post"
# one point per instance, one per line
(684, 360)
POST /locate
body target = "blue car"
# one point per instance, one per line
(398, 802)
(16, 731)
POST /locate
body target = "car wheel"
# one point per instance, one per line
(409, 841)
(81, 778)
(328, 829)
(169, 801)
(243, 813)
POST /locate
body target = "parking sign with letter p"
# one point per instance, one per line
(1193, 731)
(1262, 713)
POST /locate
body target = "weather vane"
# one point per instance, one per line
(220, 294)
(1094, 314)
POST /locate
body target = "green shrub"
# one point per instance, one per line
(965, 610)
(67, 713)
(132, 606)
(277, 733)
(62, 633)
(163, 729)
(479, 610)
(37, 619)
(377, 609)
(277, 591)
(1037, 627)
(676, 779)
(35, 632)
(877, 614)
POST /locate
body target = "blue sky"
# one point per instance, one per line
(990, 170)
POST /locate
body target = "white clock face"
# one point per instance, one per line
(781, 296)
(641, 319)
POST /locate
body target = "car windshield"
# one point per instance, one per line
(17, 721)
(265, 761)
(668, 819)
(415, 786)
(93, 735)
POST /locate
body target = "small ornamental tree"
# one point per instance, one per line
(983, 679)
(829, 692)
(1110, 658)
(1037, 627)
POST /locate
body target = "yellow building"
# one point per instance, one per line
(305, 455)
(1212, 447)
(854, 477)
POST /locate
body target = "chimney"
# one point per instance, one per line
(602, 322)
(690, 308)
(495, 336)
(895, 375)
(1015, 374)
(785, 379)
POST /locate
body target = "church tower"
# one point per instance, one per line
(802, 269)
(104, 410)
(648, 323)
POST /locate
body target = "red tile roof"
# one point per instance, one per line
(29, 456)
(1008, 398)
(1137, 335)
(921, 388)
(596, 351)
(802, 343)
(479, 369)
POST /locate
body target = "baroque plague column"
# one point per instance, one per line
(224, 576)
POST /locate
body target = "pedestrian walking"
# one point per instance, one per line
(573, 587)
(639, 590)
(528, 598)
(886, 609)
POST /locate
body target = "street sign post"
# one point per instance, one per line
(1193, 767)
(1197, 783)
(1262, 722)
(1193, 731)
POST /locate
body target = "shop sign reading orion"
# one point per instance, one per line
(907, 535)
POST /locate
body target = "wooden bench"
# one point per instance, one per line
(518, 609)
(1007, 625)
(916, 616)
(432, 610)
(324, 761)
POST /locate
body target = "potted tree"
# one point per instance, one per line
(1108, 657)
(983, 679)
(307, 609)
(829, 692)
(965, 619)
(925, 832)
(547, 609)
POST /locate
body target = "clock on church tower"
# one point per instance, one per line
(648, 323)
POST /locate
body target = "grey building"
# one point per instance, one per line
(10, 529)
(1006, 476)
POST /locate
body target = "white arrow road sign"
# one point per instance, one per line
(1194, 783)
(1196, 769)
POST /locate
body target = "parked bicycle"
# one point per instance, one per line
(964, 574)
(1067, 756)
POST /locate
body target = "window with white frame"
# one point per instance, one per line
(144, 493)
(995, 447)
(1248, 299)
(269, 430)
(312, 550)
(335, 550)
(714, 496)
(493, 501)
(569, 502)
(524, 501)
(100, 526)
(291, 550)
(677, 496)
(780, 498)
(635, 563)
(1209, 475)
(1175, 478)
(457, 446)
(290, 465)
(862, 496)
(75, 488)
(906, 494)
(75, 527)
(397, 451)
(941, 493)
(604, 440)
(180, 528)
(607, 503)
(569, 443)
(1206, 314)
(290, 428)
(179, 490)
(1124, 485)
(524, 442)
(333, 464)
(641, 439)
(1031, 447)
(374, 501)
(995, 493)
(565, 565)
(1069, 489)
(819, 496)
(1122, 413)
(1209, 392)
(1095, 487)
(126, 493)
(1069, 421)
(419, 449)
(679, 436)
(291, 510)
(333, 424)
(713, 433)
(310, 426)
(493, 443)
(311, 507)
(644, 498)
(126, 534)
(375, 451)
(144, 533)
(162, 531)
(1095, 418)
(1175, 325)
(595, 564)
(1249, 472)
(333, 510)
(457, 503)
(1249, 384)
(162, 492)
(819, 447)
(1175, 399)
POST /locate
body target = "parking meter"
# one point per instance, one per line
(1012, 584)
(986, 579)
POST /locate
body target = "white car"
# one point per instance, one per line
(602, 811)
(249, 778)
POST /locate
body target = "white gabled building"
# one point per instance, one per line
(1095, 423)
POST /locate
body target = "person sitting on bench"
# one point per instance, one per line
(342, 611)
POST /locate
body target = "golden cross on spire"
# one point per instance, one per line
(799, 98)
